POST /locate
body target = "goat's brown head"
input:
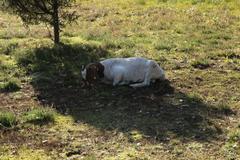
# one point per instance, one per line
(93, 72)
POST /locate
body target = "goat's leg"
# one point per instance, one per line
(136, 85)
(117, 79)
(146, 82)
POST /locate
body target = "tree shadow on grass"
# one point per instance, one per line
(157, 112)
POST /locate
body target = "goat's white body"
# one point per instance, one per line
(135, 71)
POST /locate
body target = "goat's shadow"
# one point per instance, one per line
(156, 111)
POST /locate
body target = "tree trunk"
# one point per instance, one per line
(56, 22)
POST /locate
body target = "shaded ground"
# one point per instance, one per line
(155, 111)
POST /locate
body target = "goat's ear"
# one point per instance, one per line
(100, 69)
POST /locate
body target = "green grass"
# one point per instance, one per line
(164, 46)
(231, 148)
(24, 153)
(201, 64)
(39, 116)
(234, 136)
(141, 2)
(7, 120)
(10, 86)
(195, 41)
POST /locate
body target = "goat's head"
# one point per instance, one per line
(92, 72)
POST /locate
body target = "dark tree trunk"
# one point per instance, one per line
(56, 22)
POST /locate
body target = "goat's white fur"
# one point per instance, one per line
(135, 71)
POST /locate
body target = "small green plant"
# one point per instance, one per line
(197, 1)
(39, 116)
(141, 2)
(10, 86)
(135, 136)
(194, 98)
(164, 46)
(201, 64)
(7, 119)
(10, 48)
(230, 55)
(186, 48)
(160, 1)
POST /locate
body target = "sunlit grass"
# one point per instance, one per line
(7, 119)
(39, 116)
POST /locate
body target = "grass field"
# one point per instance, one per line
(46, 113)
